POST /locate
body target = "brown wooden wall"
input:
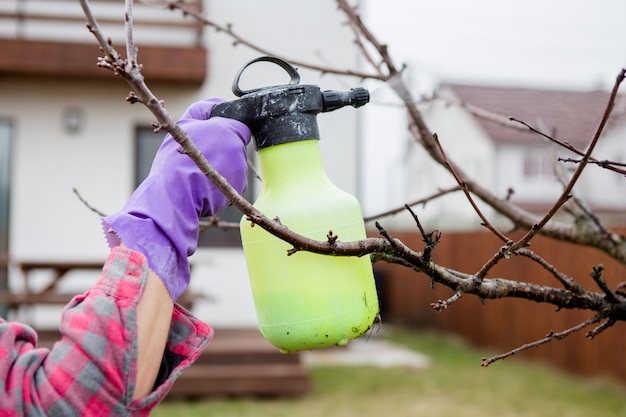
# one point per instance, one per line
(501, 325)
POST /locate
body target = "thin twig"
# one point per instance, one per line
(602, 327)
(353, 21)
(463, 186)
(504, 251)
(93, 27)
(89, 206)
(479, 112)
(254, 170)
(604, 164)
(581, 212)
(568, 283)
(549, 338)
(566, 194)
(597, 273)
(239, 40)
(421, 201)
(131, 49)
(215, 222)
(430, 239)
(386, 235)
(355, 18)
(444, 304)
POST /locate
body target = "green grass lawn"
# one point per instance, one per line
(455, 385)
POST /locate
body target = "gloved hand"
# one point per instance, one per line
(161, 218)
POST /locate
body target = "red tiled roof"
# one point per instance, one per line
(567, 115)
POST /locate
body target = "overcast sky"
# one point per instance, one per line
(558, 43)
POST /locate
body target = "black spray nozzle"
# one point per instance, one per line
(334, 100)
(285, 113)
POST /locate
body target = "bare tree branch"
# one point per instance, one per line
(421, 201)
(568, 283)
(214, 222)
(239, 40)
(608, 304)
(89, 206)
(613, 166)
(141, 93)
(566, 194)
(549, 338)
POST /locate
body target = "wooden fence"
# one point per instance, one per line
(502, 325)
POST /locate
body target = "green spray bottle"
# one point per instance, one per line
(303, 301)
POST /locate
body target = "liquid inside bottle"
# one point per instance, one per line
(305, 300)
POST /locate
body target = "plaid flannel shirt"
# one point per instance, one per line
(91, 371)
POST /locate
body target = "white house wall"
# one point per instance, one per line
(384, 152)
(604, 188)
(510, 166)
(47, 219)
(465, 143)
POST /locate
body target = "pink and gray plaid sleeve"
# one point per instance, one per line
(92, 369)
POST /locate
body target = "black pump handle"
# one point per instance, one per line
(293, 73)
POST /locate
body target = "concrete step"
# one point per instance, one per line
(242, 362)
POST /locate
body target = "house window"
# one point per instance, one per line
(538, 164)
(146, 145)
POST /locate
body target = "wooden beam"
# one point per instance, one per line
(64, 59)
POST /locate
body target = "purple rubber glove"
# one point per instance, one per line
(161, 218)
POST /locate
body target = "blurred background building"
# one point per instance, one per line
(65, 126)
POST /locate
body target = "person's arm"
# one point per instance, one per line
(154, 314)
(161, 220)
(125, 341)
(94, 369)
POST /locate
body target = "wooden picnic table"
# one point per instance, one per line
(49, 294)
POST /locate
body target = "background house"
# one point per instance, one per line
(473, 127)
(472, 123)
(64, 123)
(527, 163)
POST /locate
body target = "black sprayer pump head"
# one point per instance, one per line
(285, 113)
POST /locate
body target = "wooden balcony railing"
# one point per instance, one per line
(49, 38)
